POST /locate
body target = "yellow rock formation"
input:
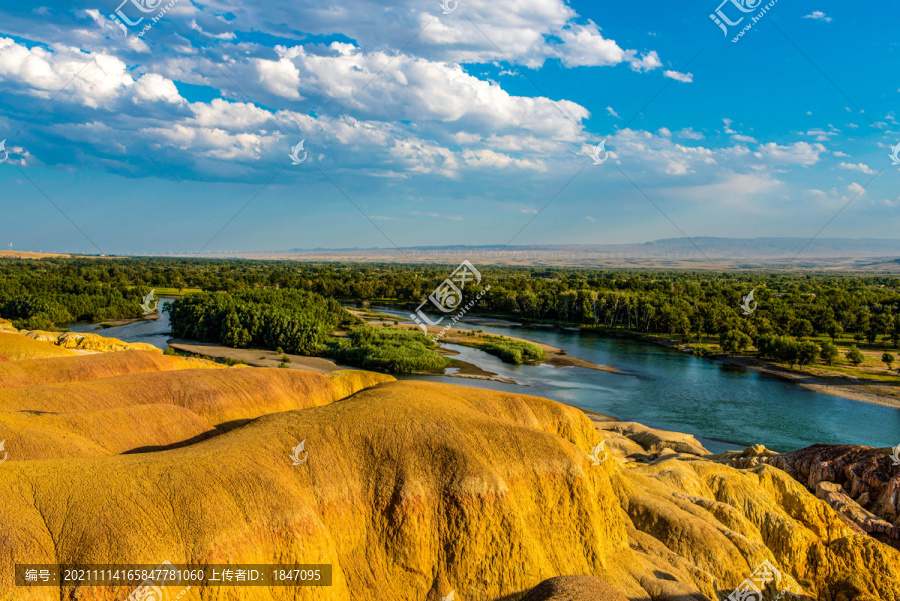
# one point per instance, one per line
(88, 342)
(218, 396)
(17, 347)
(410, 490)
(91, 367)
(351, 381)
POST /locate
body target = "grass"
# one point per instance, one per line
(384, 316)
(389, 350)
(174, 291)
(509, 350)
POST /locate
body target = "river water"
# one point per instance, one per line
(151, 331)
(725, 406)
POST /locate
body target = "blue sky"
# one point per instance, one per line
(458, 135)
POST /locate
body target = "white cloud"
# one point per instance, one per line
(682, 77)
(688, 133)
(280, 77)
(611, 112)
(798, 153)
(44, 72)
(416, 89)
(857, 167)
(152, 86)
(818, 16)
(647, 62)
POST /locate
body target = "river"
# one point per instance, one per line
(151, 331)
(725, 406)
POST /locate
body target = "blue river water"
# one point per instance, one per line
(724, 406)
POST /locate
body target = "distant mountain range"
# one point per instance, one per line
(682, 247)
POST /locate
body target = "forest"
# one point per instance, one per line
(295, 321)
(692, 306)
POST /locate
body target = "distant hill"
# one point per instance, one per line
(711, 246)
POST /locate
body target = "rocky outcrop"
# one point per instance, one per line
(17, 348)
(862, 483)
(640, 442)
(88, 342)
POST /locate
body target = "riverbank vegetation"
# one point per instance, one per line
(298, 322)
(509, 350)
(388, 349)
(705, 310)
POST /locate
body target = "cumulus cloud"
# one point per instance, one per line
(682, 77)
(857, 167)
(798, 153)
(818, 15)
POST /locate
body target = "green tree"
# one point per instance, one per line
(835, 330)
(854, 355)
(829, 353)
(889, 359)
(802, 328)
(788, 350)
(735, 341)
(808, 353)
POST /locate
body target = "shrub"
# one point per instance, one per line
(854, 356)
(808, 352)
(389, 350)
(514, 351)
(829, 352)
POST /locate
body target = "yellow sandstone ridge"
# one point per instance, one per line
(17, 347)
(88, 342)
(413, 490)
(96, 433)
(218, 396)
(91, 367)
(350, 381)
